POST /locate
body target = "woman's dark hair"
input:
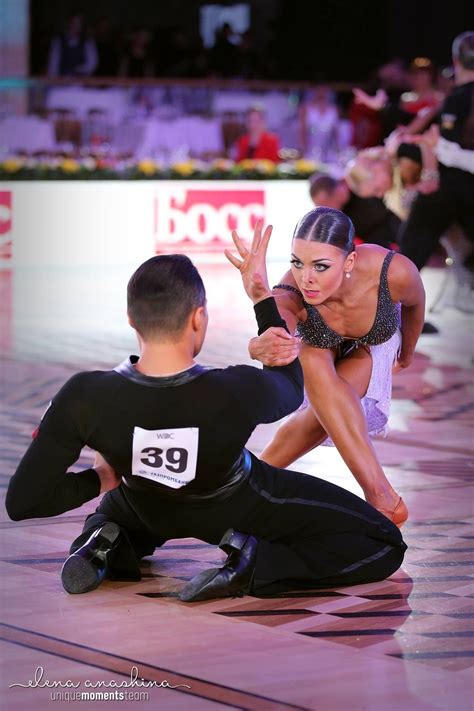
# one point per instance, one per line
(162, 293)
(326, 225)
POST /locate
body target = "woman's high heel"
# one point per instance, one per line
(399, 514)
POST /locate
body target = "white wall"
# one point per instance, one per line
(120, 223)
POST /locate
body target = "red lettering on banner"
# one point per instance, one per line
(5, 224)
(202, 220)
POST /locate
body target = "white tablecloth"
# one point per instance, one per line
(190, 134)
(115, 102)
(26, 133)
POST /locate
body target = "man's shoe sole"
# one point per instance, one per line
(79, 573)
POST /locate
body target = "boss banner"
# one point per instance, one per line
(114, 223)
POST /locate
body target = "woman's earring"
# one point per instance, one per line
(348, 275)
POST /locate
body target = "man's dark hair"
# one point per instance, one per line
(320, 183)
(162, 293)
(463, 49)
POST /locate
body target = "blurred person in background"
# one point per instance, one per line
(423, 93)
(445, 80)
(257, 143)
(369, 125)
(431, 215)
(373, 221)
(136, 61)
(72, 53)
(395, 108)
(395, 172)
(319, 125)
(107, 51)
(224, 56)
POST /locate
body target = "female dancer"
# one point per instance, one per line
(344, 302)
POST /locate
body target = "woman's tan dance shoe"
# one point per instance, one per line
(399, 514)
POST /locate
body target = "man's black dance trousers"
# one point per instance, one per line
(431, 215)
(311, 533)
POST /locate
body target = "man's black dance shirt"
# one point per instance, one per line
(173, 436)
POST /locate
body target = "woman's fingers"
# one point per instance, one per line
(266, 237)
(233, 260)
(240, 246)
(257, 236)
(258, 243)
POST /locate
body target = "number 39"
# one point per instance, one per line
(176, 457)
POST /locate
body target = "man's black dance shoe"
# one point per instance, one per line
(85, 569)
(233, 579)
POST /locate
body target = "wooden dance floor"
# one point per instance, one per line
(405, 643)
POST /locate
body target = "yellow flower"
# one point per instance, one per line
(222, 164)
(185, 168)
(265, 166)
(11, 165)
(305, 166)
(248, 164)
(147, 166)
(69, 165)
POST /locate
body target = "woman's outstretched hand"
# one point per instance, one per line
(252, 265)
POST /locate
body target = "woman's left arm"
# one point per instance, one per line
(405, 286)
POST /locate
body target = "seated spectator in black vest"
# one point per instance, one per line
(372, 220)
(72, 53)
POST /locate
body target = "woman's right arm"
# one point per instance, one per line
(273, 348)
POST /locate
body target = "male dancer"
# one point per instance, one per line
(431, 215)
(172, 434)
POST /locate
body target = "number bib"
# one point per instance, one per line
(168, 457)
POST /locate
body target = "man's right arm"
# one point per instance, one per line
(42, 485)
(275, 391)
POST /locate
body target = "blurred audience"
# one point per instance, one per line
(257, 143)
(373, 221)
(423, 93)
(107, 51)
(73, 52)
(395, 172)
(391, 107)
(136, 61)
(433, 214)
(319, 125)
(224, 55)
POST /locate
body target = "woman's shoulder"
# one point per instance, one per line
(371, 256)
(401, 272)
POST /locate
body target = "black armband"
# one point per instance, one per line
(267, 315)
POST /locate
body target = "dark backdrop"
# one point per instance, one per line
(303, 39)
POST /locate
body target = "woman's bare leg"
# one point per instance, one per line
(302, 431)
(335, 392)
(298, 435)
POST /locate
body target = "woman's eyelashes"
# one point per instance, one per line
(296, 263)
(317, 267)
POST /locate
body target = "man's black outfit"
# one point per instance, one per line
(431, 215)
(178, 443)
(373, 221)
